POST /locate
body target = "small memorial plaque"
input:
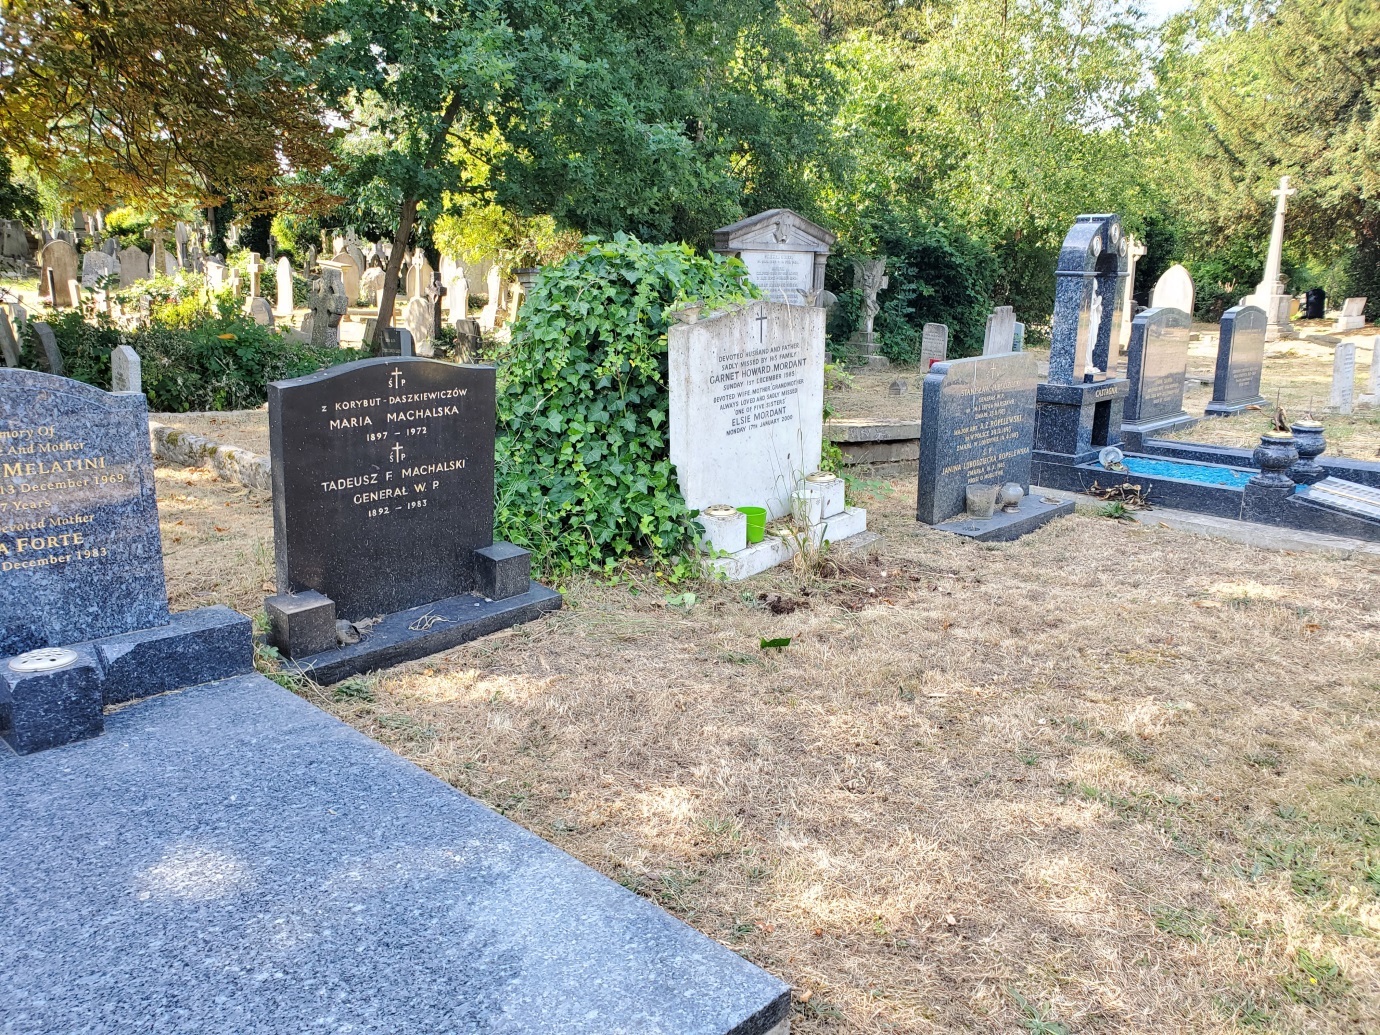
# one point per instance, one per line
(80, 553)
(977, 425)
(782, 276)
(383, 482)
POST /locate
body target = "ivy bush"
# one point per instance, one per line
(584, 471)
(191, 358)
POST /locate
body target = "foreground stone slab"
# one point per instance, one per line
(229, 859)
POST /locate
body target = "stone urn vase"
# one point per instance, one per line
(526, 276)
(1274, 456)
(1308, 437)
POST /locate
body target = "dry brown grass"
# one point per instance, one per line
(217, 540)
(1122, 774)
(247, 429)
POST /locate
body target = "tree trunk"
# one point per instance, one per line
(407, 215)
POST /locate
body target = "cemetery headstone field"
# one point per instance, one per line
(742, 518)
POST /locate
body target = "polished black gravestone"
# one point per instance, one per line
(233, 861)
(1156, 363)
(84, 619)
(383, 503)
(1240, 358)
(977, 426)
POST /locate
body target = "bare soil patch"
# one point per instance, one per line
(1112, 777)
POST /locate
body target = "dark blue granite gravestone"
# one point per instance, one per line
(977, 426)
(1240, 359)
(81, 567)
(232, 861)
(1079, 409)
(383, 507)
(1156, 362)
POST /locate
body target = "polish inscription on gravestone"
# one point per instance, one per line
(977, 427)
(80, 554)
(383, 482)
(747, 404)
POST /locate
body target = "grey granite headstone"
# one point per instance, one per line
(1240, 359)
(383, 481)
(258, 310)
(134, 266)
(79, 544)
(1156, 362)
(977, 426)
(47, 341)
(934, 345)
(126, 372)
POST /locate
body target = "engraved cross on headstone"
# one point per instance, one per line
(396, 380)
(761, 327)
(397, 454)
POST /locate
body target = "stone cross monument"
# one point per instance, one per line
(1268, 294)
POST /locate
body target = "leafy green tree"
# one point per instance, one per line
(158, 102)
(17, 200)
(1254, 90)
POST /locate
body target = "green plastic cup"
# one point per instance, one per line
(756, 522)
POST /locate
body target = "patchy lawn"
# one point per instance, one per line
(1109, 778)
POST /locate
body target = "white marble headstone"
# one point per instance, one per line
(1174, 289)
(1343, 397)
(747, 404)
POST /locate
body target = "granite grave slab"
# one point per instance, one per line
(233, 861)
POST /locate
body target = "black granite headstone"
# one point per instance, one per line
(1240, 358)
(1315, 303)
(80, 553)
(383, 482)
(1156, 361)
(977, 426)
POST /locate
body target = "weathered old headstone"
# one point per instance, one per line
(1342, 398)
(126, 372)
(328, 304)
(747, 404)
(217, 274)
(977, 427)
(134, 266)
(488, 316)
(349, 274)
(256, 275)
(1174, 290)
(258, 310)
(1001, 331)
(1240, 358)
(158, 262)
(1018, 337)
(13, 243)
(371, 283)
(783, 251)
(181, 235)
(284, 285)
(82, 565)
(1374, 392)
(418, 318)
(1156, 363)
(1135, 251)
(57, 274)
(95, 267)
(1270, 294)
(47, 343)
(934, 345)
(383, 501)
(1353, 316)
(9, 341)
